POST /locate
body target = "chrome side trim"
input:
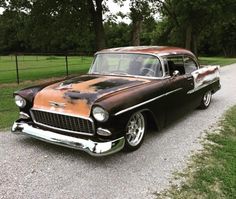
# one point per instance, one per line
(202, 86)
(148, 101)
(59, 129)
(91, 147)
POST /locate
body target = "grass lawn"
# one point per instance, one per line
(41, 67)
(8, 109)
(212, 173)
(222, 61)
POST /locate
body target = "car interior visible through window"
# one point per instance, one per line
(189, 65)
(175, 63)
(127, 64)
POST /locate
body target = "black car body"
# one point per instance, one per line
(125, 90)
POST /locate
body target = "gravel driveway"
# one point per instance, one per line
(34, 169)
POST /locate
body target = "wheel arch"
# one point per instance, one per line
(151, 120)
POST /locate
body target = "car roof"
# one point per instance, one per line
(158, 50)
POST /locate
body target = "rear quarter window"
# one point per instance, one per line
(189, 65)
(175, 63)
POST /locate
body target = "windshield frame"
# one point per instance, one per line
(128, 75)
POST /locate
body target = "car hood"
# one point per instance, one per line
(77, 95)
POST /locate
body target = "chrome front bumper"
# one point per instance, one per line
(89, 146)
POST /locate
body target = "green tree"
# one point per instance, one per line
(117, 34)
(51, 25)
(140, 10)
(190, 20)
(12, 36)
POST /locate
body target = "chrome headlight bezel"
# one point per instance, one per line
(100, 114)
(20, 101)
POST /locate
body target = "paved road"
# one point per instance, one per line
(34, 169)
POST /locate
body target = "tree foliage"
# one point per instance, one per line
(140, 11)
(191, 23)
(203, 26)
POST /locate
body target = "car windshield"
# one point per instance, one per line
(126, 64)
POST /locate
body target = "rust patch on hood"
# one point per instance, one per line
(79, 94)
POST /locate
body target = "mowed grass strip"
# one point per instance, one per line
(8, 109)
(40, 67)
(212, 173)
(222, 61)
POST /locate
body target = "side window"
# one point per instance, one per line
(175, 63)
(189, 65)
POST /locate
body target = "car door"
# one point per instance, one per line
(177, 87)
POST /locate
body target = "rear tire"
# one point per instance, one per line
(206, 100)
(135, 131)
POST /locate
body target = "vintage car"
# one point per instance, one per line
(126, 91)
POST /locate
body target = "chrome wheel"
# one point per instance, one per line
(207, 99)
(135, 130)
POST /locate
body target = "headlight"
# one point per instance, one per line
(100, 114)
(21, 102)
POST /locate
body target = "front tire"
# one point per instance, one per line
(206, 100)
(135, 131)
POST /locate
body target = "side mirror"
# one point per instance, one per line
(176, 73)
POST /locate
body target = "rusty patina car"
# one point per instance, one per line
(125, 91)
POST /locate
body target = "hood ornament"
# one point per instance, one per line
(63, 86)
(57, 105)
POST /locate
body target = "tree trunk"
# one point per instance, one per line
(194, 45)
(188, 37)
(225, 52)
(137, 28)
(97, 20)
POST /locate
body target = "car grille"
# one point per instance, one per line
(62, 122)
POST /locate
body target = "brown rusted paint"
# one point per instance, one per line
(114, 103)
(79, 97)
(148, 49)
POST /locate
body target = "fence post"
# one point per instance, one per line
(66, 59)
(17, 70)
